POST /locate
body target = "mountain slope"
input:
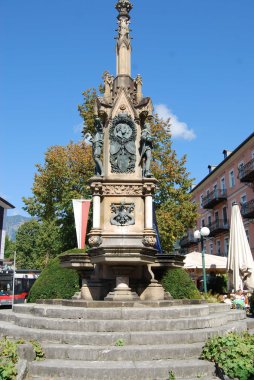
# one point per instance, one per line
(13, 223)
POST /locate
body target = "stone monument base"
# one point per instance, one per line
(122, 295)
(122, 291)
(154, 292)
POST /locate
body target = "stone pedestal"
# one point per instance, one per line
(85, 291)
(154, 292)
(122, 291)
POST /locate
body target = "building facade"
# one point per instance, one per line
(231, 181)
(4, 206)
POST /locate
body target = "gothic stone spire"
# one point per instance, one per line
(123, 46)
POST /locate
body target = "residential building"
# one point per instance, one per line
(4, 206)
(230, 181)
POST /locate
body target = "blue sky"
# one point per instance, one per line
(196, 59)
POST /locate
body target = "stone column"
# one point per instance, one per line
(96, 189)
(149, 212)
(96, 212)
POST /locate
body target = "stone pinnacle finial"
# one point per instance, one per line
(124, 7)
(123, 46)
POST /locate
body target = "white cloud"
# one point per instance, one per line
(78, 128)
(178, 128)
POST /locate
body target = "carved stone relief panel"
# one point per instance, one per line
(122, 135)
(122, 214)
(122, 189)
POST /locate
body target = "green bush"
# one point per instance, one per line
(233, 355)
(55, 282)
(179, 284)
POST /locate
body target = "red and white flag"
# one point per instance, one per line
(81, 210)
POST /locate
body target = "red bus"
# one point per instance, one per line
(24, 280)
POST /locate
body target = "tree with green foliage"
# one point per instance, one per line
(175, 211)
(9, 248)
(179, 284)
(63, 177)
(37, 243)
(55, 282)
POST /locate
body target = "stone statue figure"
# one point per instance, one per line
(123, 29)
(122, 136)
(122, 214)
(108, 84)
(146, 150)
(97, 142)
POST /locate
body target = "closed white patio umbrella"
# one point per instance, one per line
(240, 263)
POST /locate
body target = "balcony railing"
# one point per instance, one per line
(246, 173)
(215, 197)
(247, 209)
(188, 241)
(218, 226)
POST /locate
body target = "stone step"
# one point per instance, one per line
(129, 353)
(7, 315)
(110, 338)
(250, 323)
(121, 325)
(66, 312)
(232, 316)
(173, 312)
(108, 370)
(218, 307)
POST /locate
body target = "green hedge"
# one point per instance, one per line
(179, 284)
(55, 282)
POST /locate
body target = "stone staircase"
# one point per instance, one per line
(136, 343)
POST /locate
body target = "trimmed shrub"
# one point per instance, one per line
(55, 282)
(179, 284)
(75, 251)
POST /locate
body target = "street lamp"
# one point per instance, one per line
(200, 235)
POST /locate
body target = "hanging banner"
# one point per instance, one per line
(81, 210)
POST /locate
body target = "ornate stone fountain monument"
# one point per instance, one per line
(122, 238)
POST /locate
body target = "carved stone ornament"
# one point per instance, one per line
(96, 188)
(149, 188)
(123, 214)
(122, 135)
(97, 143)
(149, 241)
(124, 7)
(95, 241)
(122, 190)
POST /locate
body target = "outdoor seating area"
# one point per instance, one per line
(239, 300)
